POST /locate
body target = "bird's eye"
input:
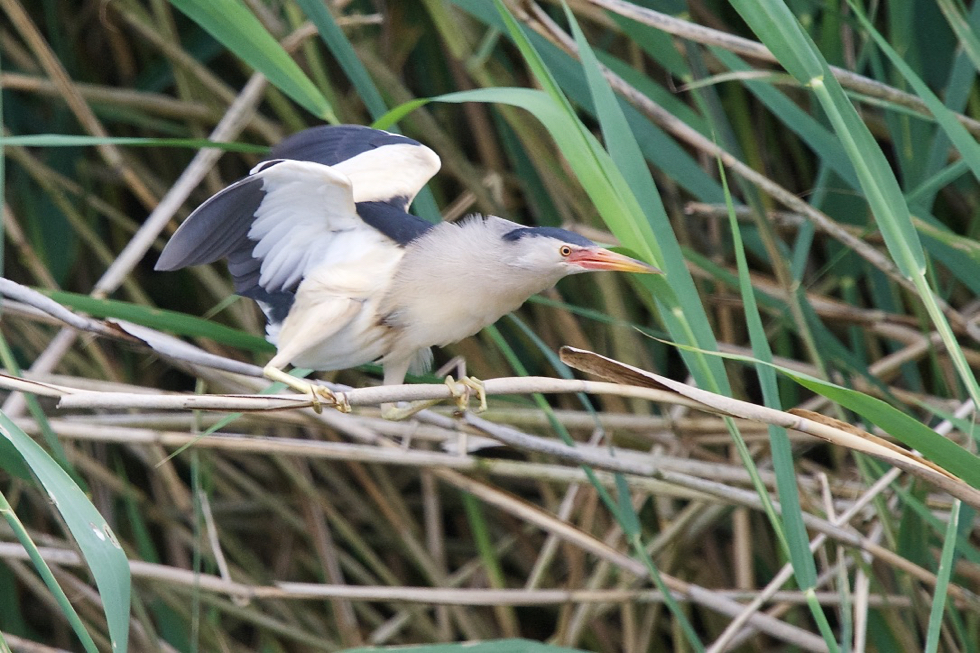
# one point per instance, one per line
(565, 250)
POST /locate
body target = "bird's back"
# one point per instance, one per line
(324, 197)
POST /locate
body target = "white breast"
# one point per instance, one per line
(452, 282)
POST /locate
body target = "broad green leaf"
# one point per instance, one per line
(240, 31)
(945, 453)
(10, 460)
(387, 120)
(47, 576)
(171, 321)
(103, 555)
(73, 140)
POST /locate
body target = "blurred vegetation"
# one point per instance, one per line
(288, 497)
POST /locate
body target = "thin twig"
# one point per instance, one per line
(426, 595)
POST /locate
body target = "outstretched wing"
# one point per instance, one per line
(382, 167)
(325, 193)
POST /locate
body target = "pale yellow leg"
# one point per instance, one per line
(315, 391)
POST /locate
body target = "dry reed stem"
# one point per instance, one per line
(426, 595)
(678, 394)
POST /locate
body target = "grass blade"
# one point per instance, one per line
(779, 29)
(67, 609)
(103, 555)
(73, 140)
(904, 428)
(796, 538)
(338, 44)
(240, 31)
(343, 51)
(958, 135)
(156, 318)
(942, 579)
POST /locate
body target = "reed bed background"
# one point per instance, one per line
(805, 173)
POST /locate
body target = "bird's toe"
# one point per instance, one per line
(403, 411)
(465, 388)
(337, 400)
(476, 385)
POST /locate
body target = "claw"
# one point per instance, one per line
(315, 400)
(460, 394)
(337, 400)
(314, 391)
(397, 413)
(464, 388)
(476, 385)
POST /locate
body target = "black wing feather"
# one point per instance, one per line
(393, 222)
(331, 144)
(217, 228)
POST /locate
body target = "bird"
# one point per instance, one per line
(320, 236)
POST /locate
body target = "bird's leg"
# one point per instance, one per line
(315, 391)
(395, 375)
(457, 363)
(461, 390)
(469, 384)
(477, 386)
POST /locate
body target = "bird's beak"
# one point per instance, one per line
(597, 258)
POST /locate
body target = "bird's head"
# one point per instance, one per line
(556, 253)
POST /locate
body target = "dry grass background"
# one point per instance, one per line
(289, 531)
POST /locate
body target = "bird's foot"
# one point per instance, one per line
(315, 400)
(399, 412)
(463, 389)
(338, 400)
(318, 394)
(461, 392)
(315, 391)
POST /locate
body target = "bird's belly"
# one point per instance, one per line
(354, 345)
(441, 321)
(334, 322)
